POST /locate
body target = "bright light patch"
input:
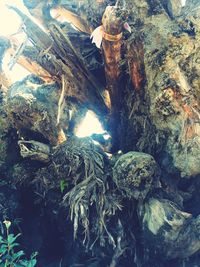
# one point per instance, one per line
(106, 136)
(9, 21)
(89, 126)
(10, 24)
(183, 2)
(16, 73)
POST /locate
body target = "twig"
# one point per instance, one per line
(18, 53)
(61, 99)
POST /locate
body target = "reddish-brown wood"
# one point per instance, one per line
(135, 63)
(112, 25)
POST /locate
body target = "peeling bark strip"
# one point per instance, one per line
(136, 64)
(191, 114)
(63, 15)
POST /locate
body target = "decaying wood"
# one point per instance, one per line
(112, 25)
(85, 88)
(136, 174)
(45, 12)
(32, 66)
(61, 14)
(19, 51)
(40, 39)
(135, 58)
(111, 45)
(125, 203)
(34, 150)
(169, 231)
(173, 104)
(33, 105)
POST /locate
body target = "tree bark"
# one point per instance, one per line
(144, 202)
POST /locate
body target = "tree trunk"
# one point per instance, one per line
(139, 203)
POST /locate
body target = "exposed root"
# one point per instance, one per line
(90, 201)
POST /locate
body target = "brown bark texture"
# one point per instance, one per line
(135, 199)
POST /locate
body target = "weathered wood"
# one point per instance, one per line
(32, 107)
(32, 66)
(112, 26)
(168, 231)
(45, 12)
(135, 58)
(84, 87)
(63, 15)
(40, 39)
(136, 174)
(128, 203)
(34, 150)
(174, 98)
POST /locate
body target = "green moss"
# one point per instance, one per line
(3, 149)
(4, 127)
